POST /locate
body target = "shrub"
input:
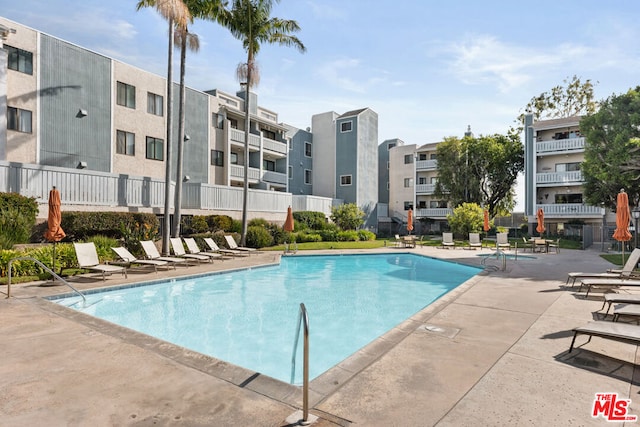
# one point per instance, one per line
(308, 219)
(119, 225)
(219, 223)
(348, 236)
(17, 219)
(195, 224)
(365, 235)
(236, 226)
(303, 237)
(103, 247)
(258, 237)
(348, 216)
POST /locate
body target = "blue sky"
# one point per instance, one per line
(427, 68)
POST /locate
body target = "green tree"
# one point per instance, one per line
(480, 170)
(177, 15)
(250, 22)
(573, 99)
(347, 216)
(466, 218)
(612, 150)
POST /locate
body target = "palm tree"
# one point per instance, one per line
(250, 22)
(177, 14)
(213, 10)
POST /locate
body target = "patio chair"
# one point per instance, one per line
(447, 241)
(554, 245)
(151, 251)
(193, 248)
(526, 244)
(474, 241)
(178, 250)
(623, 332)
(502, 241)
(88, 260)
(129, 259)
(233, 245)
(612, 297)
(213, 247)
(606, 283)
(626, 272)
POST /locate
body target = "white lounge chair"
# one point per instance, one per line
(88, 259)
(213, 246)
(502, 241)
(624, 273)
(612, 297)
(474, 240)
(233, 245)
(606, 283)
(178, 250)
(447, 241)
(193, 248)
(129, 259)
(623, 332)
(151, 251)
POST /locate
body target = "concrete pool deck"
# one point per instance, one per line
(492, 352)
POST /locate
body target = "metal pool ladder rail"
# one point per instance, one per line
(303, 319)
(47, 269)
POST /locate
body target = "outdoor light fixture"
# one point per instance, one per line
(186, 178)
(82, 165)
(636, 214)
(82, 113)
(187, 137)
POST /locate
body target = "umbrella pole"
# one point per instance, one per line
(53, 278)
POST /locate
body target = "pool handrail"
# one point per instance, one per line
(47, 269)
(303, 318)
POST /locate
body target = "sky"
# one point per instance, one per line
(428, 68)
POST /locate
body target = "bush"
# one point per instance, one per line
(348, 216)
(365, 235)
(219, 223)
(348, 236)
(303, 237)
(308, 219)
(258, 237)
(119, 225)
(17, 219)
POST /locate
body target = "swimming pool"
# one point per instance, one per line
(249, 317)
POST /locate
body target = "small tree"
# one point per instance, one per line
(466, 218)
(348, 216)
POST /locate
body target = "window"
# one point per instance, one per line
(408, 182)
(217, 120)
(290, 172)
(269, 165)
(434, 180)
(422, 180)
(233, 158)
(568, 198)
(154, 104)
(268, 134)
(408, 158)
(20, 60)
(391, 145)
(422, 204)
(126, 95)
(568, 167)
(435, 204)
(307, 149)
(433, 156)
(233, 123)
(18, 119)
(125, 143)
(155, 148)
(422, 156)
(408, 205)
(307, 176)
(345, 126)
(345, 179)
(217, 158)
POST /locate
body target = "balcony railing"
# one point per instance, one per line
(275, 146)
(573, 178)
(560, 146)
(570, 210)
(433, 213)
(422, 165)
(237, 172)
(425, 188)
(237, 136)
(275, 177)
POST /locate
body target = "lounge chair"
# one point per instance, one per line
(612, 297)
(447, 241)
(151, 251)
(213, 247)
(623, 332)
(606, 283)
(233, 245)
(526, 244)
(178, 250)
(624, 273)
(193, 248)
(88, 260)
(554, 245)
(626, 310)
(502, 241)
(474, 240)
(129, 259)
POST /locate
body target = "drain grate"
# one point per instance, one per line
(440, 330)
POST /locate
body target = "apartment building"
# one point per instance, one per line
(91, 124)
(554, 150)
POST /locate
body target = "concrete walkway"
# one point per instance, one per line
(492, 352)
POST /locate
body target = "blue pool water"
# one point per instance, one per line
(249, 317)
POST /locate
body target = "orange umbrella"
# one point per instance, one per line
(410, 221)
(540, 228)
(288, 223)
(486, 225)
(622, 233)
(54, 232)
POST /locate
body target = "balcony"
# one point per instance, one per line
(560, 146)
(435, 213)
(425, 189)
(426, 165)
(570, 210)
(237, 137)
(548, 179)
(275, 177)
(237, 172)
(275, 146)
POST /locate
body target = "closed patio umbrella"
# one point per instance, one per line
(486, 225)
(288, 223)
(54, 232)
(622, 234)
(540, 215)
(410, 221)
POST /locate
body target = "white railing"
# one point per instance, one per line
(425, 188)
(570, 210)
(237, 136)
(560, 145)
(426, 165)
(275, 177)
(237, 171)
(573, 177)
(275, 146)
(433, 212)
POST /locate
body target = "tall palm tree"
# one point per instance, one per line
(250, 22)
(213, 10)
(177, 14)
